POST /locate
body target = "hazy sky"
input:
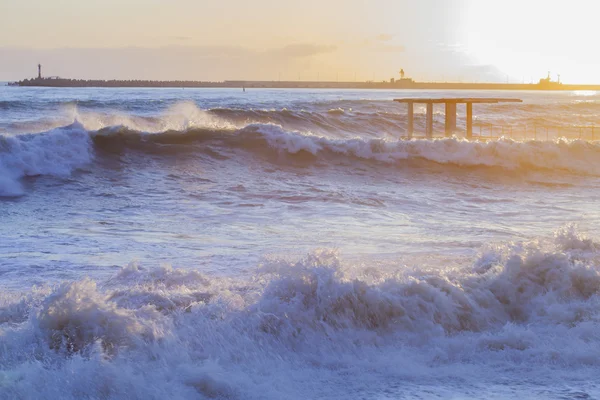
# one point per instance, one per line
(469, 40)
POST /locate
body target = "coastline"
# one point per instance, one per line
(406, 84)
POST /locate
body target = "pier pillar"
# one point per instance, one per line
(469, 120)
(450, 118)
(411, 120)
(429, 125)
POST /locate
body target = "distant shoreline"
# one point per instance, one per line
(407, 84)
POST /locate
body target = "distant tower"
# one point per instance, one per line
(39, 71)
(402, 74)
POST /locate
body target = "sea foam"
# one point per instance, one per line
(158, 332)
(57, 152)
(61, 151)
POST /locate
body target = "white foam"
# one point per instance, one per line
(57, 153)
(576, 156)
(181, 116)
(571, 155)
(76, 315)
(308, 329)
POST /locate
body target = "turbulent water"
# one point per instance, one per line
(285, 244)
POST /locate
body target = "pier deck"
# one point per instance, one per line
(450, 105)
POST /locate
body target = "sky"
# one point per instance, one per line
(344, 40)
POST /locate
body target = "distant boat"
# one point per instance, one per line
(548, 83)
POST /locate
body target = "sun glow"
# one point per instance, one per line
(525, 39)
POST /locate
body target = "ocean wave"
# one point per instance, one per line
(377, 119)
(576, 156)
(86, 104)
(60, 151)
(177, 330)
(372, 118)
(337, 121)
(520, 282)
(57, 153)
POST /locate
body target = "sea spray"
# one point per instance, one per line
(62, 150)
(537, 302)
(576, 156)
(57, 153)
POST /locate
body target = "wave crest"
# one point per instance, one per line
(575, 156)
(538, 283)
(76, 315)
(527, 303)
(62, 150)
(57, 153)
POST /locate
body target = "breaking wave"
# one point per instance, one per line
(182, 333)
(60, 151)
(57, 153)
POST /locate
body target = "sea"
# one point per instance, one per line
(291, 244)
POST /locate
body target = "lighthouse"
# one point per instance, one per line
(39, 71)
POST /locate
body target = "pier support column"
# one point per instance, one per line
(429, 125)
(450, 118)
(411, 120)
(469, 120)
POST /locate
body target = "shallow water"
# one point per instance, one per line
(285, 244)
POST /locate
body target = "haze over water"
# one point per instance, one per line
(169, 243)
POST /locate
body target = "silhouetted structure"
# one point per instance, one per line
(548, 84)
(450, 115)
(402, 83)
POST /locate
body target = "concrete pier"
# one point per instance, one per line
(450, 125)
(469, 120)
(450, 110)
(429, 125)
(410, 127)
